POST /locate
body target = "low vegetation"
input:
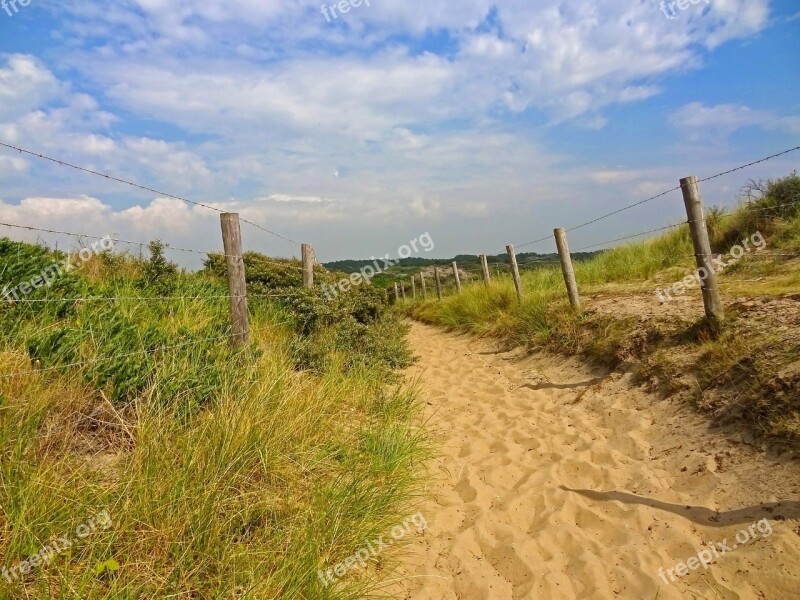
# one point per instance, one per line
(748, 371)
(227, 473)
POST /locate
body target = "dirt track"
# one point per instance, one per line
(556, 481)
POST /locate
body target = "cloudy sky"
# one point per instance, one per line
(483, 123)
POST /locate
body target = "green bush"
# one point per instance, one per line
(347, 330)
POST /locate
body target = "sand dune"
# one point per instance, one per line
(556, 481)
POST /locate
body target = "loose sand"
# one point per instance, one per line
(558, 481)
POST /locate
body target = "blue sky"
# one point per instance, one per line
(483, 123)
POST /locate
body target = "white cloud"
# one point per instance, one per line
(273, 112)
(699, 120)
(291, 198)
(25, 82)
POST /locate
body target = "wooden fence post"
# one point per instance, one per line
(237, 285)
(566, 267)
(396, 292)
(308, 265)
(485, 268)
(457, 276)
(413, 287)
(438, 282)
(702, 250)
(403, 291)
(512, 260)
(424, 288)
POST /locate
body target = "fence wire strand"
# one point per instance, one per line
(167, 246)
(65, 163)
(651, 198)
(140, 298)
(128, 355)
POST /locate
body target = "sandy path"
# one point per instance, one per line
(516, 431)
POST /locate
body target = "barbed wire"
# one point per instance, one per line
(118, 356)
(139, 298)
(771, 254)
(128, 355)
(64, 163)
(748, 210)
(750, 164)
(140, 244)
(661, 194)
(630, 237)
(115, 240)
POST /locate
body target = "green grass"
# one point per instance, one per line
(544, 319)
(226, 473)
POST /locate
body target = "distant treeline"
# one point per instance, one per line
(465, 261)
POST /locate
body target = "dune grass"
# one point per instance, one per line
(544, 313)
(225, 473)
(752, 359)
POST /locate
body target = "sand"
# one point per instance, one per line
(555, 480)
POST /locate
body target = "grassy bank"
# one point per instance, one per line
(225, 473)
(748, 372)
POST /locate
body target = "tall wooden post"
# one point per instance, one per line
(485, 268)
(413, 287)
(424, 287)
(396, 292)
(512, 260)
(308, 265)
(457, 276)
(237, 286)
(403, 291)
(566, 267)
(702, 250)
(438, 282)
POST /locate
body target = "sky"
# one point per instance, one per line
(360, 128)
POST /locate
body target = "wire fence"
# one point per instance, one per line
(697, 223)
(167, 246)
(310, 258)
(661, 195)
(144, 352)
(88, 171)
(237, 257)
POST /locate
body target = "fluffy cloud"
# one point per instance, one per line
(400, 111)
(699, 120)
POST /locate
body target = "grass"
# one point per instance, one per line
(226, 473)
(674, 355)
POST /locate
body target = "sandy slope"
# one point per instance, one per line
(558, 482)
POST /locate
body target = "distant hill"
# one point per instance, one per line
(465, 261)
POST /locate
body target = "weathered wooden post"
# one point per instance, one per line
(307, 253)
(457, 276)
(566, 267)
(424, 287)
(438, 282)
(512, 260)
(403, 291)
(237, 285)
(702, 250)
(485, 268)
(413, 287)
(396, 292)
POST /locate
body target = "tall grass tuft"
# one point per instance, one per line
(226, 473)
